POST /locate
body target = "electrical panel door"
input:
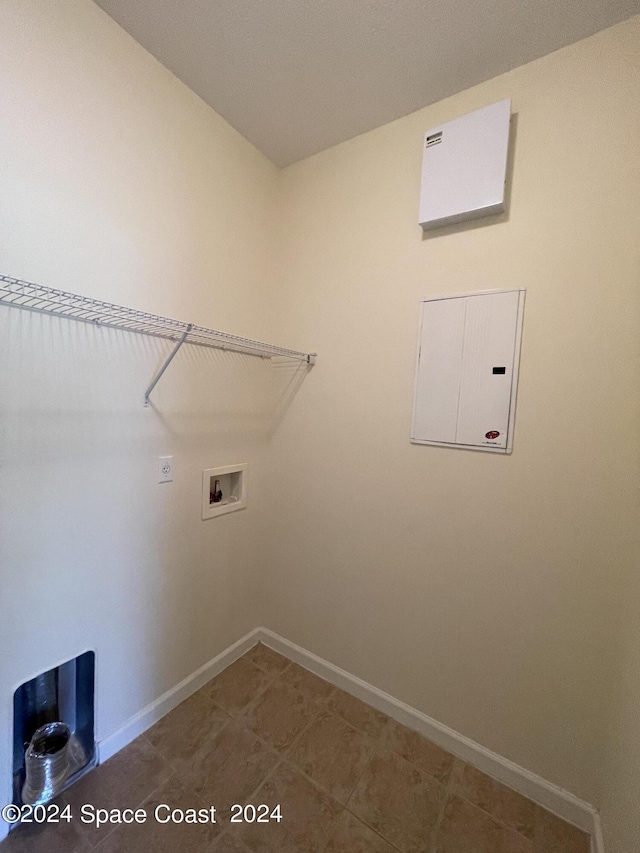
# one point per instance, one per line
(467, 371)
(440, 370)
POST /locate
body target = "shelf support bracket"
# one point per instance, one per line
(168, 361)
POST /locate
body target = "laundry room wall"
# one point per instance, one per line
(496, 594)
(483, 590)
(118, 183)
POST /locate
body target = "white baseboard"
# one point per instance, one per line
(597, 838)
(144, 719)
(546, 794)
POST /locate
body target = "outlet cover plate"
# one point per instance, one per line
(165, 469)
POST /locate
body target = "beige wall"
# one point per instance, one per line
(119, 183)
(620, 773)
(483, 590)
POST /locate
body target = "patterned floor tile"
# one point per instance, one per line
(312, 688)
(308, 815)
(186, 730)
(280, 715)
(553, 835)
(168, 829)
(356, 713)
(271, 662)
(465, 828)
(333, 754)
(399, 802)
(47, 838)
(238, 685)
(231, 770)
(496, 799)
(352, 836)
(425, 755)
(123, 781)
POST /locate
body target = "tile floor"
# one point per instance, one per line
(347, 778)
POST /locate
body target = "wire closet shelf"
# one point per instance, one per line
(18, 293)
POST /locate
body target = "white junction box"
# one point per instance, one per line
(467, 371)
(464, 167)
(224, 490)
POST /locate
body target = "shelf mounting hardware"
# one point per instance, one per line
(166, 364)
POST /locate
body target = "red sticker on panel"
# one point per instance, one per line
(492, 434)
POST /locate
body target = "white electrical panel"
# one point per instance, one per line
(464, 167)
(467, 371)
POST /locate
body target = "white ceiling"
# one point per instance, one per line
(297, 76)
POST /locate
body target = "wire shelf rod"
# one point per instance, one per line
(18, 293)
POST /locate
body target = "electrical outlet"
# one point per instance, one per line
(165, 469)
